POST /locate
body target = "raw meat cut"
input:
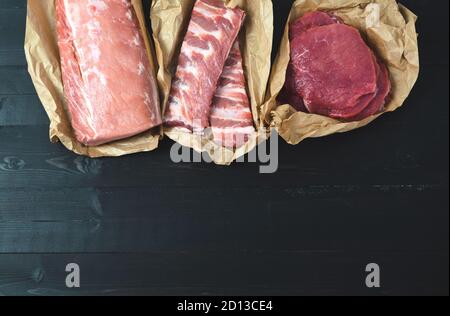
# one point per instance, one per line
(311, 20)
(289, 94)
(109, 85)
(231, 116)
(338, 74)
(377, 104)
(211, 33)
(332, 71)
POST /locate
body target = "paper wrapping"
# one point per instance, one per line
(42, 54)
(389, 28)
(170, 19)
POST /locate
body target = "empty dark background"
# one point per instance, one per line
(143, 225)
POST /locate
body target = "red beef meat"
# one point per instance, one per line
(332, 70)
(378, 102)
(335, 71)
(311, 20)
(289, 94)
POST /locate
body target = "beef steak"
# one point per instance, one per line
(332, 71)
(335, 71)
(311, 20)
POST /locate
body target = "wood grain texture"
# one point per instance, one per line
(22, 110)
(12, 30)
(223, 273)
(293, 219)
(15, 80)
(29, 160)
(144, 225)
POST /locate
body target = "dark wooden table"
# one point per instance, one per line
(144, 225)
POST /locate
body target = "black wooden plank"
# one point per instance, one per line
(379, 194)
(12, 30)
(15, 80)
(226, 273)
(27, 159)
(292, 219)
(40, 163)
(12, 57)
(19, 110)
(13, 5)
